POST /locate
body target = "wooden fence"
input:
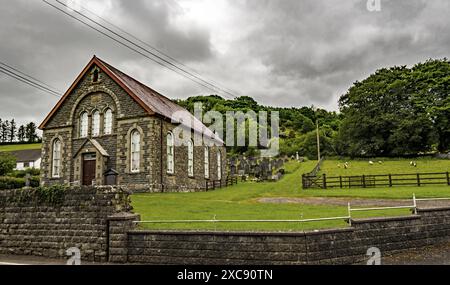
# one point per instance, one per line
(372, 181)
(316, 168)
(216, 184)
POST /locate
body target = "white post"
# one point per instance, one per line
(415, 203)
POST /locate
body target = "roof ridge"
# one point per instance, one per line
(132, 78)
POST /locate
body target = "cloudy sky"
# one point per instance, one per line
(281, 52)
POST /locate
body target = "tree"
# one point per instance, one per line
(21, 134)
(7, 163)
(397, 111)
(30, 133)
(12, 131)
(5, 131)
(431, 93)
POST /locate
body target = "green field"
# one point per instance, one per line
(399, 166)
(241, 202)
(15, 147)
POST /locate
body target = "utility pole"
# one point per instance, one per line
(318, 140)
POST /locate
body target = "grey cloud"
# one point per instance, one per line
(153, 18)
(310, 41)
(285, 53)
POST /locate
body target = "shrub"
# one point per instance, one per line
(53, 195)
(11, 182)
(23, 173)
(7, 163)
(7, 182)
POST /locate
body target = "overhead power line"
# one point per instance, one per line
(28, 79)
(31, 77)
(167, 63)
(154, 48)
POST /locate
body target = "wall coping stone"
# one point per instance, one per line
(237, 233)
(124, 217)
(385, 219)
(433, 209)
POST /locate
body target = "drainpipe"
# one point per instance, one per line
(161, 154)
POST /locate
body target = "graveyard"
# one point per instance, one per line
(284, 199)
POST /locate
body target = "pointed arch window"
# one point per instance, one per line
(108, 122)
(56, 159)
(219, 165)
(96, 124)
(206, 162)
(84, 122)
(135, 151)
(190, 158)
(170, 153)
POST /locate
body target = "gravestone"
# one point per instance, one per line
(27, 180)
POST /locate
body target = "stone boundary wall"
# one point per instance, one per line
(80, 220)
(339, 246)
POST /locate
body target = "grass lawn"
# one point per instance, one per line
(15, 147)
(399, 166)
(241, 202)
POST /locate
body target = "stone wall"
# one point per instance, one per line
(28, 227)
(341, 246)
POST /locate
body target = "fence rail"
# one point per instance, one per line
(377, 180)
(217, 184)
(316, 168)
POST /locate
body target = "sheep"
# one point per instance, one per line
(380, 162)
(415, 164)
(371, 162)
(339, 165)
(411, 163)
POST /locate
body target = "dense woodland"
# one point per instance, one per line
(395, 112)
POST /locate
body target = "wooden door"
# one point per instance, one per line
(88, 172)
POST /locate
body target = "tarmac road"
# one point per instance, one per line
(432, 255)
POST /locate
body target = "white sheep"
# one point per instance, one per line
(371, 162)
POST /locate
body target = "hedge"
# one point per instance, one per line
(7, 182)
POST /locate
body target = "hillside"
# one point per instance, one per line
(15, 147)
(297, 125)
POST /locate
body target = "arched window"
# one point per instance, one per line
(190, 158)
(96, 124)
(219, 165)
(206, 162)
(108, 122)
(84, 121)
(135, 151)
(56, 159)
(170, 153)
